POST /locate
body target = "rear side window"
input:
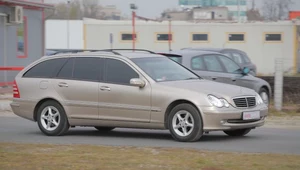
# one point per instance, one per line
(83, 68)
(119, 72)
(46, 69)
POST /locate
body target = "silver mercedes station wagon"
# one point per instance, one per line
(123, 89)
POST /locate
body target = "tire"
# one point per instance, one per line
(59, 123)
(104, 128)
(176, 125)
(239, 132)
(264, 94)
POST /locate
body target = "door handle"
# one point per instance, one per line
(63, 84)
(105, 88)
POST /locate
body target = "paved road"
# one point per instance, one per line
(267, 140)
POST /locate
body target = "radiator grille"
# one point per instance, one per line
(245, 102)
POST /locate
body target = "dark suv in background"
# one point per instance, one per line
(220, 68)
(240, 57)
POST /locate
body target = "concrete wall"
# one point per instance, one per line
(263, 54)
(56, 34)
(34, 42)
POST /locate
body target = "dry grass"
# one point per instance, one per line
(54, 157)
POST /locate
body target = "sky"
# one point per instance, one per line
(154, 8)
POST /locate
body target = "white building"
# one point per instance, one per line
(264, 42)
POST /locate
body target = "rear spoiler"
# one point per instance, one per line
(170, 55)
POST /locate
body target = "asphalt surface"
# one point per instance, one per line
(260, 140)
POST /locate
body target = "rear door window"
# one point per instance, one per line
(83, 68)
(88, 69)
(67, 70)
(237, 58)
(118, 72)
(197, 63)
(46, 69)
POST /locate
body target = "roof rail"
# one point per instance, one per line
(112, 50)
(60, 51)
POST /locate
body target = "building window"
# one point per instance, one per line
(164, 37)
(273, 37)
(200, 37)
(127, 37)
(236, 37)
(22, 39)
(236, 13)
(235, 2)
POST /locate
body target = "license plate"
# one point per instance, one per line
(251, 115)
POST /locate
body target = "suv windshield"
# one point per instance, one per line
(163, 69)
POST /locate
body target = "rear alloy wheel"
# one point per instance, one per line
(185, 123)
(239, 132)
(104, 128)
(52, 119)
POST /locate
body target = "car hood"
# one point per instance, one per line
(206, 87)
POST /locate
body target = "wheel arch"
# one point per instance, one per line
(175, 103)
(268, 90)
(40, 103)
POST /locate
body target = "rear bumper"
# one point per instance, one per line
(230, 119)
(23, 108)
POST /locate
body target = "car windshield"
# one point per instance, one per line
(163, 69)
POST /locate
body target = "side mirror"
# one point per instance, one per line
(246, 70)
(137, 82)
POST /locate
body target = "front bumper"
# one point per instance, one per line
(215, 119)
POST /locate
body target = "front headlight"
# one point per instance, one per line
(259, 100)
(217, 102)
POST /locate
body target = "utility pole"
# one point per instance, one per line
(133, 7)
(239, 11)
(68, 29)
(170, 33)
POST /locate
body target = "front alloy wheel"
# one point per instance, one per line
(185, 123)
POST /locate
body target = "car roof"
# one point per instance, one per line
(191, 53)
(210, 49)
(116, 53)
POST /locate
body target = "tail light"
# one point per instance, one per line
(16, 90)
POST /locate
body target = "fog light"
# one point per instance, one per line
(222, 121)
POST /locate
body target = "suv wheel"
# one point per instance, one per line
(51, 119)
(239, 132)
(104, 128)
(185, 123)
